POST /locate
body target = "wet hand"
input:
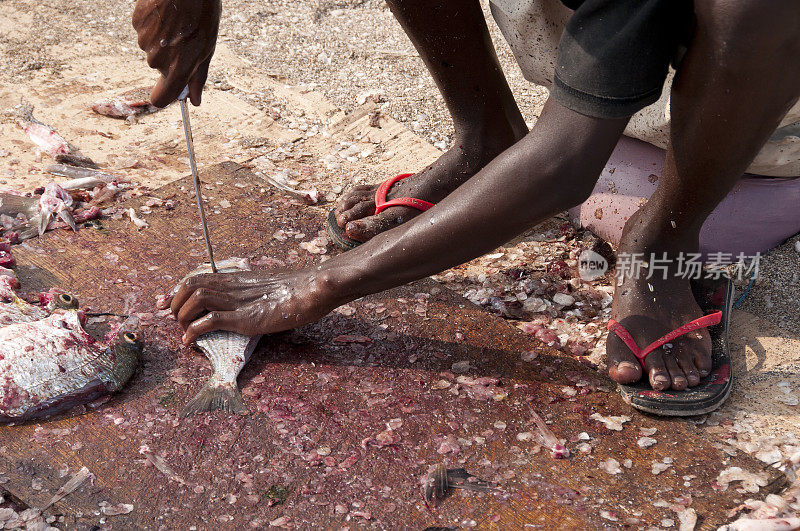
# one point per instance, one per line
(179, 37)
(248, 302)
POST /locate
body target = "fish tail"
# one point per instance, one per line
(215, 396)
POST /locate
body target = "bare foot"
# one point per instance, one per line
(356, 211)
(649, 309)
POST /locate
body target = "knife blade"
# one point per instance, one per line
(187, 130)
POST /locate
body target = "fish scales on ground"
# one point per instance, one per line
(228, 353)
(51, 365)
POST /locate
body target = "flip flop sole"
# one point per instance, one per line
(337, 234)
(713, 390)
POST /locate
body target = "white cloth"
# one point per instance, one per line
(533, 29)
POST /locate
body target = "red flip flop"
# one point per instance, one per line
(337, 233)
(716, 298)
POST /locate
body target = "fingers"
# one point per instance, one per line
(229, 321)
(168, 88)
(198, 81)
(202, 301)
(184, 290)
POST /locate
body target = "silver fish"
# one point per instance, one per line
(51, 365)
(228, 353)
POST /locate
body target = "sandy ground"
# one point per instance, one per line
(288, 95)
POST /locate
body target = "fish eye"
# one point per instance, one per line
(130, 337)
(66, 298)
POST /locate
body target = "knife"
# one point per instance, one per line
(187, 130)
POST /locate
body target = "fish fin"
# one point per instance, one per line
(41, 221)
(66, 217)
(214, 397)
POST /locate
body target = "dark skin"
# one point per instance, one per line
(738, 55)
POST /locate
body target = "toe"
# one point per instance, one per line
(677, 377)
(352, 199)
(368, 227)
(685, 357)
(623, 367)
(359, 211)
(702, 354)
(660, 378)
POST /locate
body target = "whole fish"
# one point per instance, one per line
(228, 353)
(51, 365)
(128, 105)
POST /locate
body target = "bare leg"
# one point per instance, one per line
(453, 40)
(738, 80)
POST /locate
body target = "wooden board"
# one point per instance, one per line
(319, 404)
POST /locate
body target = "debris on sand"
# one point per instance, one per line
(751, 481)
(139, 222)
(613, 422)
(309, 197)
(547, 438)
(439, 480)
(74, 483)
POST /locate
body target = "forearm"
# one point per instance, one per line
(551, 169)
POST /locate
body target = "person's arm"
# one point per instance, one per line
(551, 169)
(179, 37)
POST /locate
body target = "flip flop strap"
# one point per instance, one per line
(382, 204)
(711, 319)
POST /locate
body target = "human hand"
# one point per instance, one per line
(248, 302)
(179, 37)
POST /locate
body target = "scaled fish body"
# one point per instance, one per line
(53, 364)
(228, 353)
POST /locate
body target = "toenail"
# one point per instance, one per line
(703, 373)
(661, 379)
(626, 366)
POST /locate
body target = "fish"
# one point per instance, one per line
(228, 353)
(128, 105)
(81, 177)
(14, 310)
(31, 216)
(47, 138)
(52, 365)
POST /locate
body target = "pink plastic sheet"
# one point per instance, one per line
(757, 215)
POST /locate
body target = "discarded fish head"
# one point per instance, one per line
(57, 299)
(126, 347)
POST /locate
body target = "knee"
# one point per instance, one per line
(750, 34)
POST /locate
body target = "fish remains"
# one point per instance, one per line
(52, 364)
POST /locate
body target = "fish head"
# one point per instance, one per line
(57, 299)
(126, 345)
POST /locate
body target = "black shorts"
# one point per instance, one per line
(614, 55)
